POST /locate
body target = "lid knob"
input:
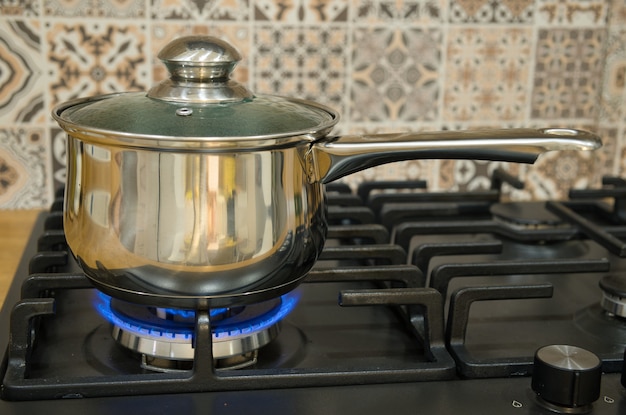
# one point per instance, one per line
(199, 68)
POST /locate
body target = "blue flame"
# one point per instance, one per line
(220, 330)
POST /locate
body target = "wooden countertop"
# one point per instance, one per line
(15, 229)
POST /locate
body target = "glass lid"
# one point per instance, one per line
(199, 102)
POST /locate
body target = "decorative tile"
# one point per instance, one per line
(292, 11)
(93, 59)
(487, 74)
(567, 73)
(21, 82)
(617, 13)
(612, 103)
(572, 12)
(303, 62)
(23, 170)
(120, 9)
(379, 62)
(217, 10)
(555, 173)
(620, 166)
(608, 157)
(11, 174)
(395, 75)
(414, 11)
(492, 11)
(236, 34)
(472, 175)
(20, 8)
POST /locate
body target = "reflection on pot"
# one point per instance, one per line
(199, 209)
(97, 205)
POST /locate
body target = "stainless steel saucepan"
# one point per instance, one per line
(203, 194)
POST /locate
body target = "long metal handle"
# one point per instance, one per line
(339, 156)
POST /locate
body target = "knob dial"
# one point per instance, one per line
(567, 376)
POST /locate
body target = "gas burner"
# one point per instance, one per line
(163, 337)
(526, 215)
(614, 294)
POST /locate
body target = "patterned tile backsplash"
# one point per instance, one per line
(385, 65)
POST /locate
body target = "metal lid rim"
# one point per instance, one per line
(101, 135)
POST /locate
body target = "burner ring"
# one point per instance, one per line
(141, 330)
(614, 294)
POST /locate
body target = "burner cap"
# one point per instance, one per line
(525, 214)
(614, 294)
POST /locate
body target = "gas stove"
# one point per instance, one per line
(438, 302)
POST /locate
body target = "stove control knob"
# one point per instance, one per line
(566, 376)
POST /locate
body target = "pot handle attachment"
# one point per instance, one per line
(336, 157)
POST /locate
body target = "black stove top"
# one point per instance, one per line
(421, 301)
